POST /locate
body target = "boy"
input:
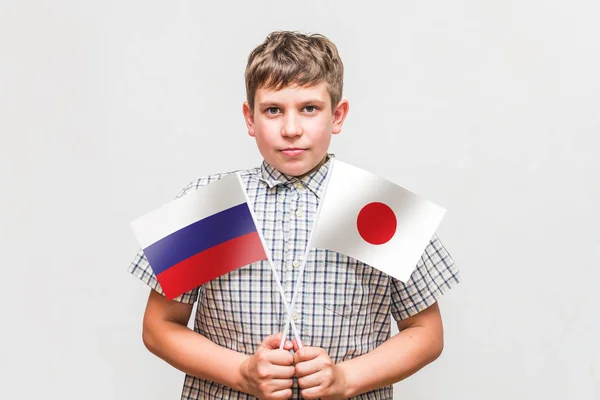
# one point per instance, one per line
(294, 104)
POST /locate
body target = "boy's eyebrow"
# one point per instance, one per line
(316, 102)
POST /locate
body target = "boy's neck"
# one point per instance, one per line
(316, 168)
(272, 173)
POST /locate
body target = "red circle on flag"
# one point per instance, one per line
(376, 223)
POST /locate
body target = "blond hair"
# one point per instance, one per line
(292, 58)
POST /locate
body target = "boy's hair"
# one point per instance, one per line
(288, 58)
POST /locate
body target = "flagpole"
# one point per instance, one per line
(303, 267)
(273, 270)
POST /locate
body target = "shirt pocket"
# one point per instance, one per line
(343, 287)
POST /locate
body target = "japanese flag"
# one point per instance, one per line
(374, 221)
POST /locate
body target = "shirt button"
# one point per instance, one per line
(298, 185)
(299, 213)
(296, 263)
(295, 316)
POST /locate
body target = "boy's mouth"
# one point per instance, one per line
(293, 151)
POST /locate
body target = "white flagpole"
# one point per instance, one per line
(273, 269)
(303, 267)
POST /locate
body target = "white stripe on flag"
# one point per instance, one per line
(217, 196)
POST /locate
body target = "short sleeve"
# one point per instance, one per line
(434, 275)
(140, 268)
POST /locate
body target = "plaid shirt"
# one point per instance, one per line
(343, 305)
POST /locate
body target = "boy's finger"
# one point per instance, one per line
(272, 342)
(310, 380)
(295, 344)
(280, 372)
(288, 345)
(307, 353)
(279, 357)
(282, 394)
(307, 368)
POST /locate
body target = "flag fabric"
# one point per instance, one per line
(374, 221)
(200, 236)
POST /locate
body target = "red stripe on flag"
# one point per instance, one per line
(210, 264)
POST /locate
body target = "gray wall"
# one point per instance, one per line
(107, 109)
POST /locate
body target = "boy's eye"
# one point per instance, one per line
(310, 109)
(272, 110)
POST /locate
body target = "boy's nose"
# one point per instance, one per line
(291, 126)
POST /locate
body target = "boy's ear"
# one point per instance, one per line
(248, 117)
(339, 115)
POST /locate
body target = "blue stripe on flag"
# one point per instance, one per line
(199, 236)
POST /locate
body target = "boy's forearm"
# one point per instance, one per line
(396, 359)
(195, 355)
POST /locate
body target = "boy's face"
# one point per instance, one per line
(293, 126)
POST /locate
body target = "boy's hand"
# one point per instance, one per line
(268, 372)
(318, 376)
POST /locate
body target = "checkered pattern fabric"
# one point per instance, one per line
(343, 306)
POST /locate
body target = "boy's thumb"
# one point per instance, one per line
(272, 342)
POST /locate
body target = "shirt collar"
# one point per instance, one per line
(315, 181)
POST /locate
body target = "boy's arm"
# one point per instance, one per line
(165, 334)
(419, 342)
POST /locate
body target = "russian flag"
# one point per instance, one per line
(200, 236)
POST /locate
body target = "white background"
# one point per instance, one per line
(488, 108)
